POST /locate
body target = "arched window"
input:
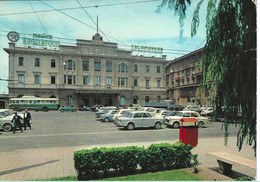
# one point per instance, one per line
(52, 96)
(69, 65)
(69, 100)
(158, 99)
(135, 99)
(20, 96)
(122, 68)
(147, 98)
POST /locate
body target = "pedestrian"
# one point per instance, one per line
(17, 121)
(26, 118)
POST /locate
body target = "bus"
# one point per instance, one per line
(34, 103)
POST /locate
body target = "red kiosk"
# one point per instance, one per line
(189, 134)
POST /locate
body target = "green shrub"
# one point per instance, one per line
(244, 178)
(97, 162)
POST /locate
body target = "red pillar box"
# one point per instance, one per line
(189, 134)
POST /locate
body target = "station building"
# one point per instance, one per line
(90, 72)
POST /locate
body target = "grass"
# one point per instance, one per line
(173, 175)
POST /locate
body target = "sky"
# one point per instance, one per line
(126, 22)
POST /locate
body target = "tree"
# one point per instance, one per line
(229, 63)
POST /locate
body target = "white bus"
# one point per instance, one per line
(34, 103)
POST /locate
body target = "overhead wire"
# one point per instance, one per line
(98, 28)
(74, 8)
(170, 51)
(81, 22)
(38, 17)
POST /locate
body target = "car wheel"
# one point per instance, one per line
(7, 127)
(74, 110)
(158, 125)
(61, 110)
(176, 124)
(45, 109)
(200, 124)
(106, 120)
(130, 126)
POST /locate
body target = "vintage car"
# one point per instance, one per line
(108, 116)
(139, 119)
(68, 108)
(175, 121)
(6, 116)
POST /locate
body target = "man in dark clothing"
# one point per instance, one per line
(17, 121)
(27, 117)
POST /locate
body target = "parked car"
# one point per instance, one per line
(121, 113)
(108, 116)
(174, 121)
(6, 116)
(207, 112)
(105, 110)
(154, 111)
(136, 119)
(67, 108)
(171, 113)
(95, 107)
(193, 108)
(161, 113)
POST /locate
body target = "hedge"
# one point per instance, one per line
(92, 162)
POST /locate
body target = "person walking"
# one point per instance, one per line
(27, 117)
(17, 121)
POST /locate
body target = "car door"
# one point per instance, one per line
(138, 119)
(147, 120)
(186, 115)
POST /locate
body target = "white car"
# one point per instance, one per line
(192, 108)
(120, 113)
(208, 110)
(6, 116)
(161, 113)
(136, 119)
(175, 121)
(154, 111)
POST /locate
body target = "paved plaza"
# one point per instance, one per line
(30, 161)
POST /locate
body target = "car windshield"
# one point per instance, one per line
(2, 114)
(179, 114)
(129, 115)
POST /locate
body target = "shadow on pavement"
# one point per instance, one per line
(24, 168)
(232, 174)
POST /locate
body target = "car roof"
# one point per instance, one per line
(139, 112)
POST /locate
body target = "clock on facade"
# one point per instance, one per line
(13, 36)
(97, 50)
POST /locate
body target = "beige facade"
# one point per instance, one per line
(183, 77)
(92, 72)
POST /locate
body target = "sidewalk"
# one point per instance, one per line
(33, 164)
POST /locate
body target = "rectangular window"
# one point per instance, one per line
(97, 80)
(85, 65)
(53, 79)
(74, 79)
(158, 69)
(147, 83)
(135, 68)
(97, 65)
(122, 81)
(109, 81)
(70, 79)
(158, 83)
(135, 82)
(85, 80)
(21, 78)
(147, 68)
(53, 63)
(21, 61)
(37, 79)
(109, 66)
(65, 79)
(37, 62)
